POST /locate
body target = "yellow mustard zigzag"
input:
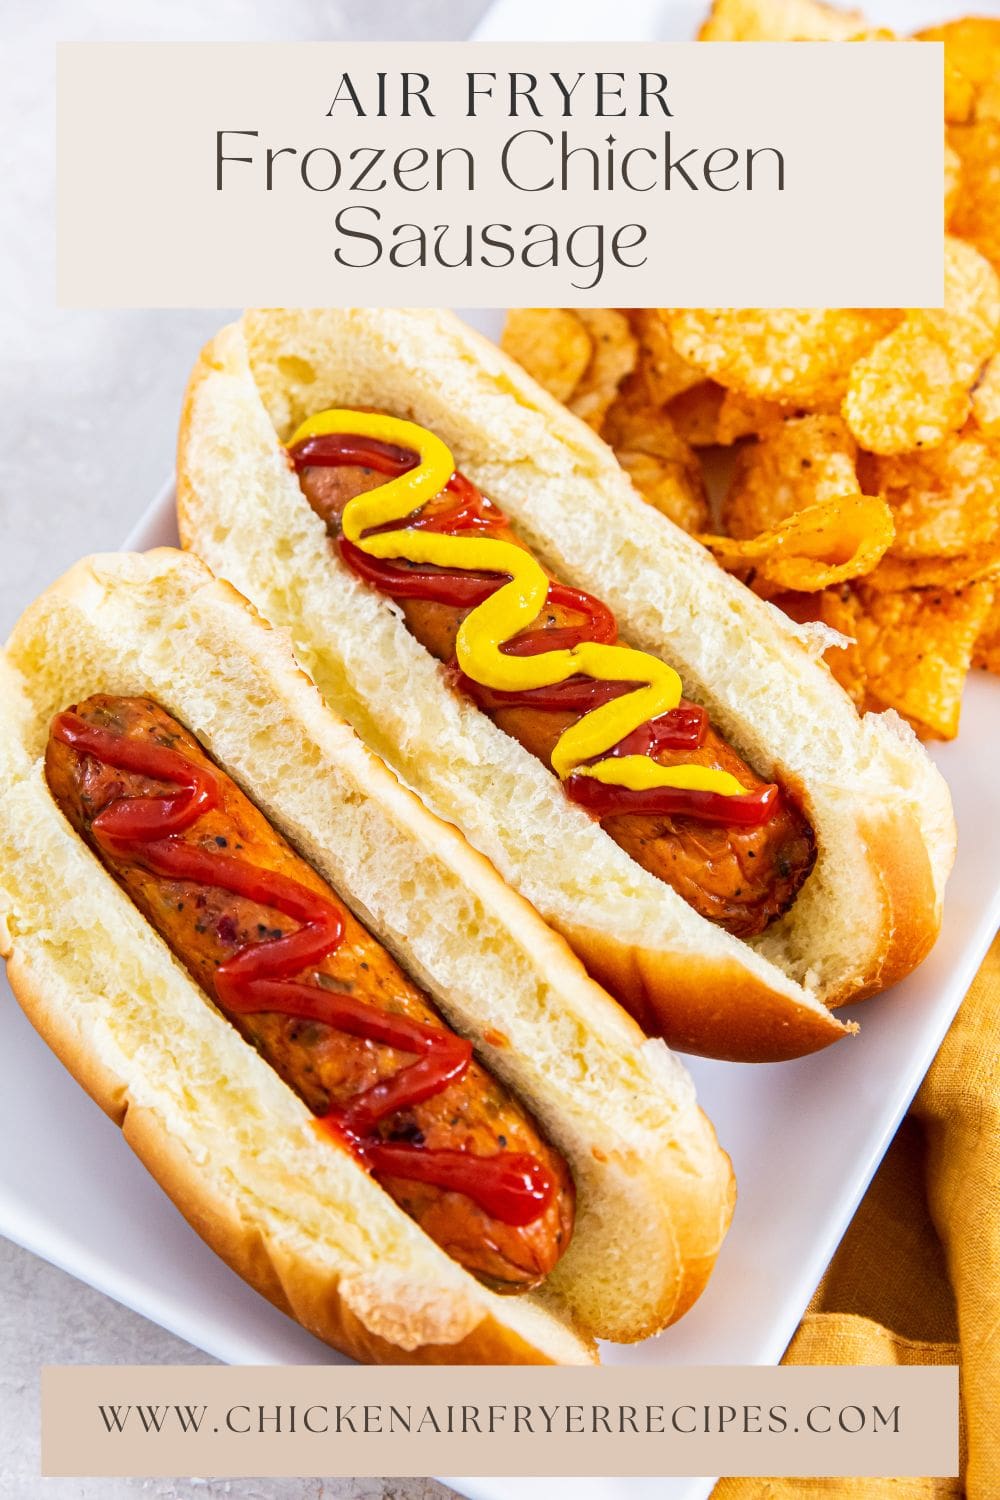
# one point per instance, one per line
(511, 609)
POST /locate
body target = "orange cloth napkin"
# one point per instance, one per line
(916, 1279)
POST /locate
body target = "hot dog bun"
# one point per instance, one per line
(871, 908)
(292, 1213)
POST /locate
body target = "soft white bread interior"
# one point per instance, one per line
(225, 1136)
(872, 906)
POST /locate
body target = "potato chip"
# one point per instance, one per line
(904, 395)
(660, 373)
(614, 351)
(959, 95)
(913, 388)
(987, 650)
(694, 414)
(911, 650)
(952, 181)
(976, 214)
(988, 100)
(951, 573)
(779, 21)
(945, 501)
(708, 415)
(813, 549)
(909, 521)
(749, 416)
(797, 464)
(800, 356)
(551, 344)
(662, 466)
(969, 322)
(986, 399)
(971, 47)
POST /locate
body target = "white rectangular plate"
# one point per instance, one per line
(805, 1137)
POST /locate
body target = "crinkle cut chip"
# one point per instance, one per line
(794, 465)
(780, 21)
(799, 356)
(661, 465)
(911, 649)
(551, 344)
(660, 373)
(945, 501)
(975, 215)
(913, 388)
(825, 544)
(614, 351)
(986, 399)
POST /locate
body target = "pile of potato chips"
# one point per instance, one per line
(865, 487)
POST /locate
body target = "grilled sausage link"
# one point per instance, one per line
(740, 878)
(327, 1068)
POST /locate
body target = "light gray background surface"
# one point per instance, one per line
(88, 410)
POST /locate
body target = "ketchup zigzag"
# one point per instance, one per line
(511, 1186)
(630, 701)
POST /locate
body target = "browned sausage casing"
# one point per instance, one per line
(327, 1068)
(740, 878)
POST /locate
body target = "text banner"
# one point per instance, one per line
(618, 1420)
(500, 174)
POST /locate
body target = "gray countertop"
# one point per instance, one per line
(88, 410)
